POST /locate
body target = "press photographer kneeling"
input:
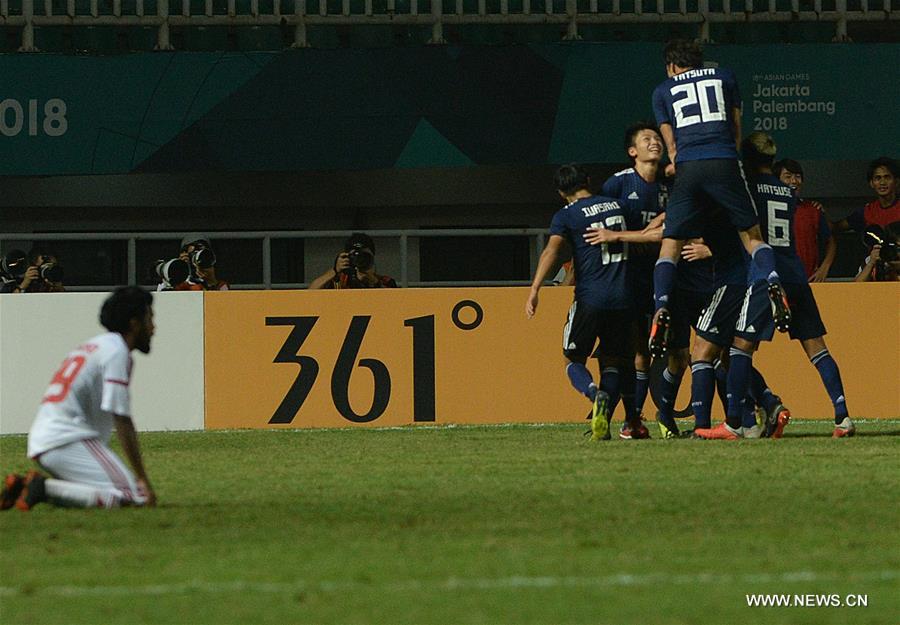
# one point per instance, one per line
(354, 268)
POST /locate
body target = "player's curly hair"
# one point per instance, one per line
(683, 53)
(125, 303)
(571, 178)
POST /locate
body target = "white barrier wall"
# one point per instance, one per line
(37, 331)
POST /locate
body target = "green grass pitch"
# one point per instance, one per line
(455, 525)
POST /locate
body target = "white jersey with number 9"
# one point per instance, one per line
(90, 386)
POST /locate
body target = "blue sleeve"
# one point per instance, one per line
(824, 228)
(661, 107)
(559, 224)
(612, 187)
(857, 220)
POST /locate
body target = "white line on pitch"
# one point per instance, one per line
(448, 584)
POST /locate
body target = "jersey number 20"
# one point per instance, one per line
(699, 92)
(62, 380)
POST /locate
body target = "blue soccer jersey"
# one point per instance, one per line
(647, 199)
(730, 261)
(699, 105)
(776, 206)
(600, 271)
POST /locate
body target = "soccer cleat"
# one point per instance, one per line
(761, 417)
(667, 429)
(844, 429)
(776, 420)
(33, 492)
(659, 333)
(629, 433)
(781, 311)
(721, 432)
(600, 417)
(752, 432)
(12, 486)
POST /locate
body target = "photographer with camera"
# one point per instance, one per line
(883, 261)
(354, 268)
(193, 270)
(37, 272)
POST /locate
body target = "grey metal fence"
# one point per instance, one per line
(304, 14)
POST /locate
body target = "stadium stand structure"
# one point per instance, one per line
(111, 26)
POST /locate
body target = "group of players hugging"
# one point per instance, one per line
(729, 221)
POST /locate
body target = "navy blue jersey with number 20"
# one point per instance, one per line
(699, 105)
(600, 270)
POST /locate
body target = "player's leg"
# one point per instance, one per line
(670, 381)
(703, 381)
(727, 185)
(83, 474)
(715, 333)
(684, 220)
(810, 331)
(752, 324)
(775, 415)
(615, 331)
(577, 334)
(686, 307)
(828, 370)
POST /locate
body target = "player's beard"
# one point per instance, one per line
(142, 344)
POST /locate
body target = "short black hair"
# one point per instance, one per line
(632, 131)
(571, 178)
(788, 164)
(683, 53)
(125, 303)
(886, 162)
(359, 238)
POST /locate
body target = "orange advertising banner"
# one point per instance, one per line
(388, 357)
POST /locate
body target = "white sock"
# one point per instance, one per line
(75, 495)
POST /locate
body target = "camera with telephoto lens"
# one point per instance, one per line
(14, 264)
(51, 272)
(203, 258)
(360, 258)
(875, 235)
(172, 272)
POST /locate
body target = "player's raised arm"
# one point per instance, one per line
(548, 265)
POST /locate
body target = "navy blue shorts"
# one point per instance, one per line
(585, 325)
(686, 308)
(806, 322)
(718, 322)
(699, 186)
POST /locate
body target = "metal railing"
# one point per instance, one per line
(303, 14)
(537, 235)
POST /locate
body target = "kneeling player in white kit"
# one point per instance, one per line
(88, 395)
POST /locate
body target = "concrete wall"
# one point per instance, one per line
(38, 330)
